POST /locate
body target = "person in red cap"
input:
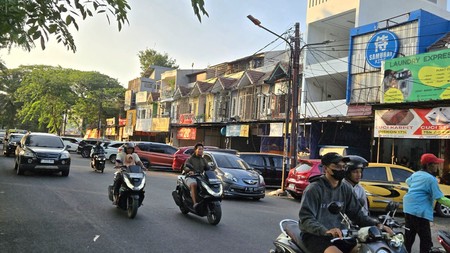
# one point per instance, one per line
(418, 202)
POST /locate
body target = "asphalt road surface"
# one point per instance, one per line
(50, 213)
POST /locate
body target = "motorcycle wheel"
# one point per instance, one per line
(132, 207)
(214, 213)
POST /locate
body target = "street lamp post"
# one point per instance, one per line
(295, 83)
(287, 102)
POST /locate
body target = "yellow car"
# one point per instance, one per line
(384, 182)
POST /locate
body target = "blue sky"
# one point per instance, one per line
(169, 26)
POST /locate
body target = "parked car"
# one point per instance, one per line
(72, 142)
(10, 145)
(85, 146)
(270, 166)
(184, 153)
(238, 178)
(155, 155)
(2, 135)
(42, 152)
(111, 149)
(298, 177)
(384, 182)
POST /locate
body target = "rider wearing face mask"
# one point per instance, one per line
(317, 224)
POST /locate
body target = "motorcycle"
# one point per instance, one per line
(209, 195)
(370, 239)
(98, 162)
(131, 193)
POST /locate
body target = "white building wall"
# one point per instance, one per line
(325, 67)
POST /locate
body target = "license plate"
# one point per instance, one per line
(291, 186)
(47, 161)
(248, 189)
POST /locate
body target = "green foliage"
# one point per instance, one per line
(199, 6)
(24, 22)
(39, 96)
(149, 57)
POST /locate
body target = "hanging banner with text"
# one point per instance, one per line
(431, 123)
(415, 78)
(237, 131)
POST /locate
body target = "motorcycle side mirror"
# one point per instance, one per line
(392, 206)
(335, 207)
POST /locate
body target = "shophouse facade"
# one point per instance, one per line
(336, 110)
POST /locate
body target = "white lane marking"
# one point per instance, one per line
(96, 237)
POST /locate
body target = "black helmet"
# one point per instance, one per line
(127, 146)
(355, 162)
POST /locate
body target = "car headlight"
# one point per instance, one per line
(229, 176)
(261, 180)
(26, 153)
(65, 155)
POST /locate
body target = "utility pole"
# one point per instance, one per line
(295, 89)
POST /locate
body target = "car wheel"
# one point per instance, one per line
(112, 158)
(85, 153)
(146, 163)
(442, 210)
(65, 173)
(295, 195)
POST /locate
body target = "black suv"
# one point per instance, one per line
(9, 147)
(42, 152)
(270, 166)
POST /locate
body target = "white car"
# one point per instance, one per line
(72, 142)
(111, 150)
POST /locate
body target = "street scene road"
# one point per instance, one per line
(50, 213)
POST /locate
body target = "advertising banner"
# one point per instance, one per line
(237, 131)
(276, 129)
(431, 123)
(160, 124)
(187, 133)
(421, 77)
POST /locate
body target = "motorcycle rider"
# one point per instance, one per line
(418, 202)
(96, 149)
(317, 224)
(194, 165)
(128, 150)
(355, 169)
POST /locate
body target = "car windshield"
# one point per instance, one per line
(15, 137)
(44, 141)
(231, 162)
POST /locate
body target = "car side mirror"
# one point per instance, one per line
(68, 146)
(211, 165)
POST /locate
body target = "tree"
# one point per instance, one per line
(149, 57)
(199, 6)
(24, 22)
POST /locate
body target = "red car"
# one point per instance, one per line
(183, 154)
(298, 177)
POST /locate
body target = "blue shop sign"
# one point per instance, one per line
(383, 45)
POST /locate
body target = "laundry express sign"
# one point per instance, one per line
(383, 45)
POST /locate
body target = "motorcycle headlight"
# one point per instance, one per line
(65, 155)
(229, 176)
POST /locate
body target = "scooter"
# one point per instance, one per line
(209, 196)
(98, 162)
(131, 193)
(370, 239)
